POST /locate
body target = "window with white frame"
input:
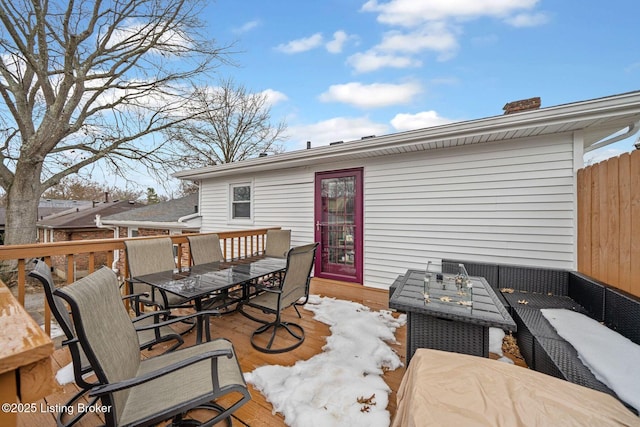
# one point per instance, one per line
(241, 201)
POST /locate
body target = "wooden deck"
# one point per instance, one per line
(238, 328)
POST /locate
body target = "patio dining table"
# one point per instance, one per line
(216, 278)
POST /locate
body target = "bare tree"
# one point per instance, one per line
(234, 125)
(85, 82)
(77, 188)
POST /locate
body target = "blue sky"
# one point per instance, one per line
(343, 69)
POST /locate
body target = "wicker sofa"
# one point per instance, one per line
(525, 290)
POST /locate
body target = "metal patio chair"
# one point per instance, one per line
(146, 392)
(278, 243)
(146, 256)
(205, 248)
(293, 290)
(146, 337)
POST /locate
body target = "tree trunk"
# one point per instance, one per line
(23, 198)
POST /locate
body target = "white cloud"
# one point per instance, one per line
(371, 61)
(527, 19)
(408, 13)
(403, 122)
(436, 36)
(301, 45)
(429, 25)
(397, 47)
(246, 27)
(371, 96)
(274, 97)
(135, 33)
(335, 129)
(339, 39)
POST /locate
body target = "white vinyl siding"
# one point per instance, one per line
(280, 199)
(511, 202)
(504, 202)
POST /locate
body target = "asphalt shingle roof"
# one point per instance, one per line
(85, 218)
(169, 211)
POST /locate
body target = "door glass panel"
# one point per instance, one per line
(338, 223)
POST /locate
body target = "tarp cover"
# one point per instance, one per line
(449, 389)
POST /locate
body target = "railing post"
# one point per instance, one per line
(21, 281)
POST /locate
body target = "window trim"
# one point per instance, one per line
(232, 186)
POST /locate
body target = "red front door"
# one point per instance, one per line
(338, 220)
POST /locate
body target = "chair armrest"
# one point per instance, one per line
(73, 340)
(132, 382)
(146, 302)
(141, 294)
(155, 314)
(205, 313)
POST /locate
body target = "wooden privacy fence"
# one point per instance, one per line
(609, 221)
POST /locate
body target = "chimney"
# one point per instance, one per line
(308, 145)
(106, 197)
(522, 105)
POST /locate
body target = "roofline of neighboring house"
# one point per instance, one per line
(65, 227)
(180, 223)
(550, 120)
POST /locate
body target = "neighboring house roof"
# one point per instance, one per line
(48, 207)
(591, 120)
(82, 218)
(176, 213)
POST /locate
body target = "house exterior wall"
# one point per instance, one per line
(510, 202)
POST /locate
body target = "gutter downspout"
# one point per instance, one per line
(116, 235)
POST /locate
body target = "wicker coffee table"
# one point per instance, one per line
(443, 323)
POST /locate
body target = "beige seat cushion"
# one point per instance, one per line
(449, 389)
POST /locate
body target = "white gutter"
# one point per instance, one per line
(116, 235)
(631, 130)
(189, 217)
(148, 224)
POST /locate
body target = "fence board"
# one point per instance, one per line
(624, 179)
(612, 221)
(634, 232)
(595, 221)
(584, 219)
(609, 221)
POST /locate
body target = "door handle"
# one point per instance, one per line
(318, 226)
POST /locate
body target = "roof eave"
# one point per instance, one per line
(601, 108)
(148, 224)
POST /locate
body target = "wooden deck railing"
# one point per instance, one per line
(235, 244)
